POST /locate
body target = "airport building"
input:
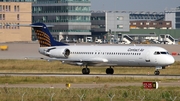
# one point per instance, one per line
(136, 26)
(154, 26)
(145, 15)
(149, 20)
(153, 22)
(150, 24)
(173, 15)
(71, 18)
(108, 23)
(13, 13)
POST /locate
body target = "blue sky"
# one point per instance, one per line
(134, 5)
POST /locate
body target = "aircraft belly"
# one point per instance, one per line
(134, 61)
(126, 61)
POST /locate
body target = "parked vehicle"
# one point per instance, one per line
(69, 41)
(98, 41)
(89, 39)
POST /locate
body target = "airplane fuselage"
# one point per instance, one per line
(113, 55)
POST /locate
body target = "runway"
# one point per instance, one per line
(175, 83)
(93, 75)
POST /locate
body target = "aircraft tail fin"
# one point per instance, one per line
(44, 36)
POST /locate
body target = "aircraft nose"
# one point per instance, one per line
(170, 60)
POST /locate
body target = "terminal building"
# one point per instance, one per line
(164, 24)
(71, 18)
(173, 15)
(149, 20)
(108, 23)
(13, 13)
(145, 15)
(142, 26)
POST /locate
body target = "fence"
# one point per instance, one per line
(98, 94)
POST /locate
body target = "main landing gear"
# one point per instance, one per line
(109, 70)
(86, 70)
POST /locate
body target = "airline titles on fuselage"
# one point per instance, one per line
(135, 50)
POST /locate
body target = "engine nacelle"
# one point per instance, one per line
(58, 53)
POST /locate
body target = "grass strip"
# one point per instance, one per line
(97, 94)
(41, 66)
(84, 80)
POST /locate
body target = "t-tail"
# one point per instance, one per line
(44, 36)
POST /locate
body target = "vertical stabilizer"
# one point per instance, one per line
(44, 36)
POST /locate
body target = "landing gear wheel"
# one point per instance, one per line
(85, 71)
(156, 72)
(109, 71)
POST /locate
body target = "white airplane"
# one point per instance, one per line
(88, 55)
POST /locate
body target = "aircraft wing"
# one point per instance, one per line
(85, 61)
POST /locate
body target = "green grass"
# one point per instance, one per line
(40, 66)
(97, 94)
(104, 93)
(82, 80)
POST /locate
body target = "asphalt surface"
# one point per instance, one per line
(93, 75)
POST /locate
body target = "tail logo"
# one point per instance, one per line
(43, 38)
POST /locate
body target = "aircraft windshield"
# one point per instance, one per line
(164, 53)
(157, 53)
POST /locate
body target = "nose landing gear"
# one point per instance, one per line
(156, 72)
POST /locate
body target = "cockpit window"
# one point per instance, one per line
(157, 53)
(163, 52)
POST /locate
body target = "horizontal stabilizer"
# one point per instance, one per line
(30, 25)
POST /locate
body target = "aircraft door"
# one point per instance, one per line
(147, 59)
(155, 59)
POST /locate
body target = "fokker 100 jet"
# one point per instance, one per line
(88, 55)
